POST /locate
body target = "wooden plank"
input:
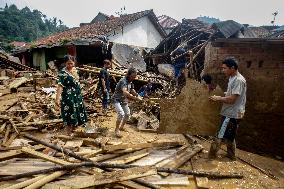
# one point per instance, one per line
(93, 153)
(86, 154)
(45, 180)
(29, 117)
(131, 184)
(9, 155)
(25, 183)
(6, 134)
(43, 156)
(16, 83)
(50, 158)
(180, 159)
(104, 157)
(102, 178)
(71, 144)
(45, 122)
(13, 136)
(14, 126)
(14, 102)
(201, 182)
(3, 127)
(167, 159)
(130, 157)
(140, 145)
(175, 181)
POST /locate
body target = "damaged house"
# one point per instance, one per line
(88, 43)
(193, 35)
(261, 63)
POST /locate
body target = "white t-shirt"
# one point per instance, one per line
(236, 86)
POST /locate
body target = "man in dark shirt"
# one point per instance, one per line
(108, 53)
(104, 85)
(145, 90)
(124, 91)
(179, 62)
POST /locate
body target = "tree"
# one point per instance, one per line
(26, 25)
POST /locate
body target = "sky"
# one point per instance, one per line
(74, 12)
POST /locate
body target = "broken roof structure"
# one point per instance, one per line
(228, 28)
(168, 23)
(88, 43)
(107, 28)
(260, 32)
(191, 34)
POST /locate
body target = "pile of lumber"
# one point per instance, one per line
(61, 161)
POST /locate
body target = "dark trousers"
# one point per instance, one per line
(225, 135)
(105, 98)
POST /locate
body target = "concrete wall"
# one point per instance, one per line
(141, 33)
(262, 64)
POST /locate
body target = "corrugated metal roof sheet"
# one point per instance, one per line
(228, 28)
(260, 32)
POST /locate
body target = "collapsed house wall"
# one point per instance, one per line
(191, 111)
(262, 64)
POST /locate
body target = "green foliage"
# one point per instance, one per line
(26, 25)
(64, 41)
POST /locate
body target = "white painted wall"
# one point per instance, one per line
(141, 33)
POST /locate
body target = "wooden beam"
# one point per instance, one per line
(141, 145)
(130, 157)
(45, 180)
(180, 159)
(45, 122)
(14, 126)
(44, 156)
(103, 178)
(104, 157)
(6, 134)
(16, 83)
(11, 139)
(9, 155)
(2, 128)
(131, 184)
(26, 183)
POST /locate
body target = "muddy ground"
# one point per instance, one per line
(253, 178)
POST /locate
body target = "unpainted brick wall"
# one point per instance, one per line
(262, 64)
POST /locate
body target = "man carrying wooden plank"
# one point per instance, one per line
(233, 109)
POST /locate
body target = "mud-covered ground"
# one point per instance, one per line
(253, 178)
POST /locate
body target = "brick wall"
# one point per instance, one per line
(262, 64)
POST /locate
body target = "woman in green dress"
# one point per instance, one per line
(73, 111)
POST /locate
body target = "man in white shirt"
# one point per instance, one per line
(232, 111)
